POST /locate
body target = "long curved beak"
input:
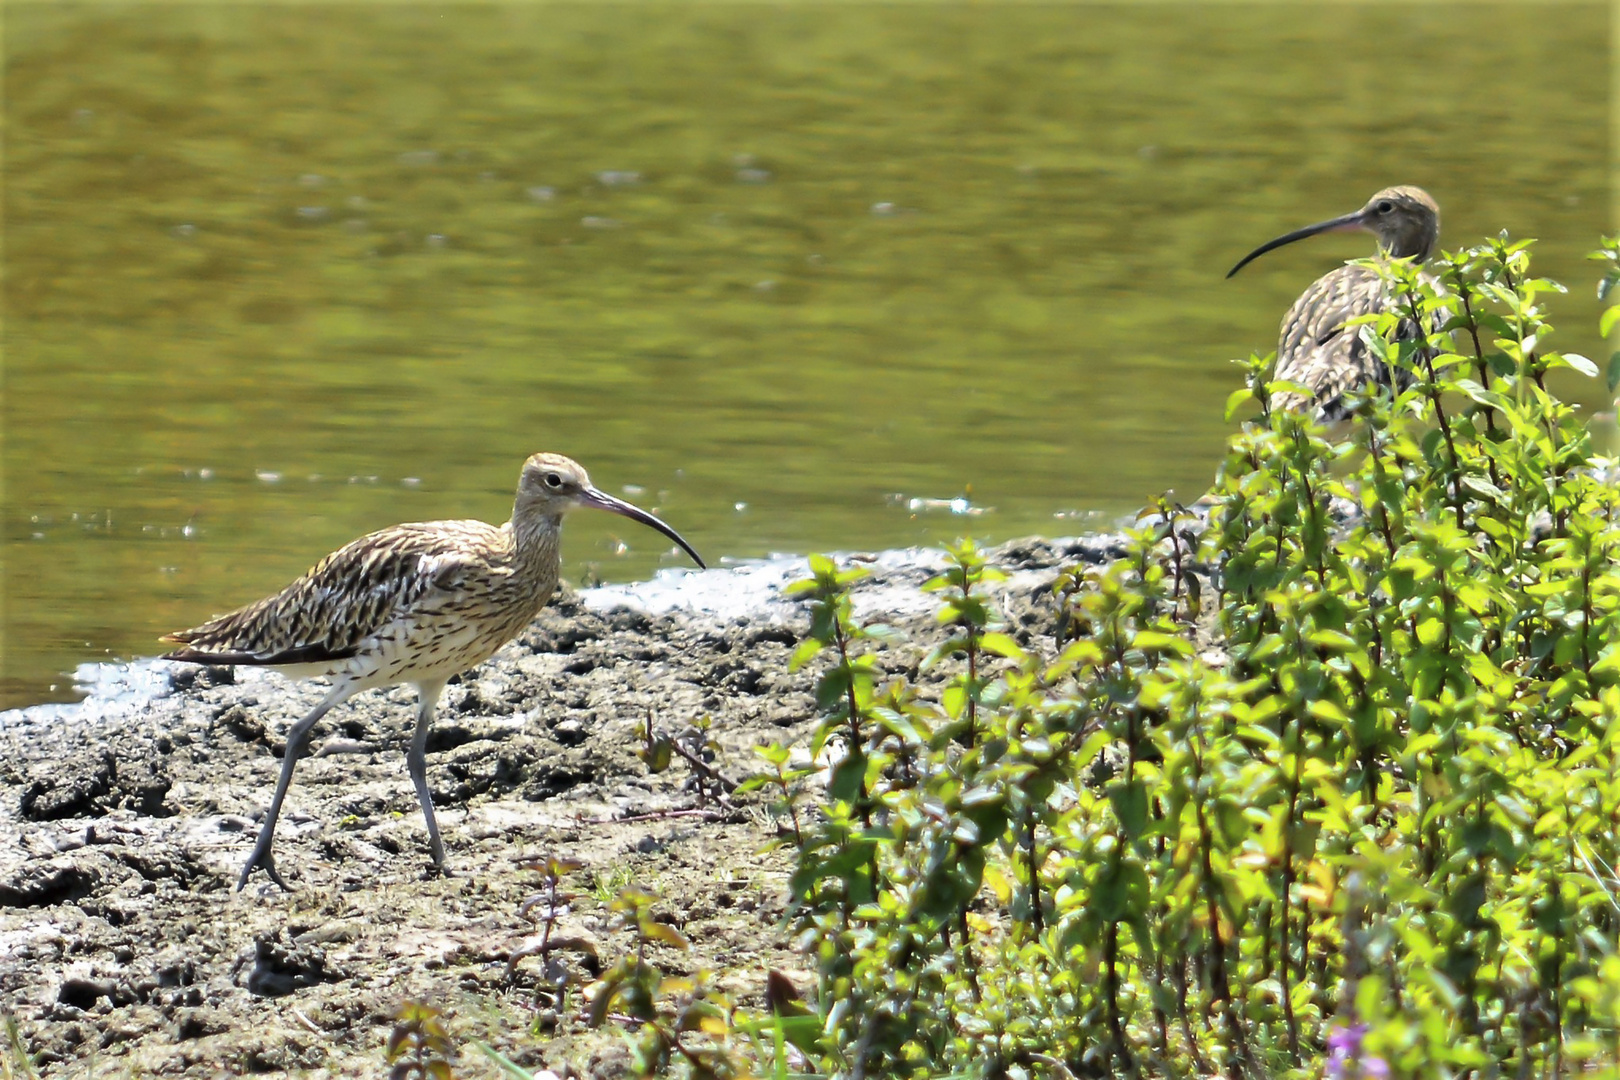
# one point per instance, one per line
(1346, 223)
(601, 500)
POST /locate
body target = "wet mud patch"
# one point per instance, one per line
(91, 783)
(121, 836)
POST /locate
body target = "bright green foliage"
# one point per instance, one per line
(1329, 780)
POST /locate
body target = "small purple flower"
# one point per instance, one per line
(1344, 1046)
(1344, 1056)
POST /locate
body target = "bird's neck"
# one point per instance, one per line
(535, 534)
(1416, 247)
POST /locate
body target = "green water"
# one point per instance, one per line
(774, 265)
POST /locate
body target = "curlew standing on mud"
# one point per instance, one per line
(1315, 348)
(414, 603)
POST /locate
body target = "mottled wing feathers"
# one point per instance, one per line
(325, 615)
(1319, 351)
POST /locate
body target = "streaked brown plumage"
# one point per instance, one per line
(414, 603)
(1315, 347)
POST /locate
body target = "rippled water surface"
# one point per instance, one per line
(797, 276)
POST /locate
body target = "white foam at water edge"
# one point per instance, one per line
(745, 589)
(750, 589)
(114, 691)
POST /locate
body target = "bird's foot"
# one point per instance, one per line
(261, 857)
(436, 846)
(438, 868)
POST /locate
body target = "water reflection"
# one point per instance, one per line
(792, 258)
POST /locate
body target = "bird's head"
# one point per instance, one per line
(554, 481)
(1406, 221)
(551, 485)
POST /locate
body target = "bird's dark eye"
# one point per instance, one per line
(1386, 207)
(553, 480)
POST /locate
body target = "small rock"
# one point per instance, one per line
(241, 723)
(196, 1023)
(279, 968)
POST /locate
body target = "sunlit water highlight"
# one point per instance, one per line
(800, 277)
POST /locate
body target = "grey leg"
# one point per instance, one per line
(427, 700)
(297, 743)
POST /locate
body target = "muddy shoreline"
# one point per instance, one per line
(125, 819)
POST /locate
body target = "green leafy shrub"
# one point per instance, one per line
(1322, 777)
(1325, 778)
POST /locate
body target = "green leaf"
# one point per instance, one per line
(900, 725)
(943, 651)
(983, 795)
(1121, 892)
(1573, 360)
(807, 649)
(1328, 711)
(1479, 394)
(848, 778)
(1156, 641)
(803, 1031)
(1607, 320)
(1481, 486)
(1002, 645)
(774, 753)
(603, 994)
(832, 686)
(1130, 802)
(1331, 640)
(653, 930)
